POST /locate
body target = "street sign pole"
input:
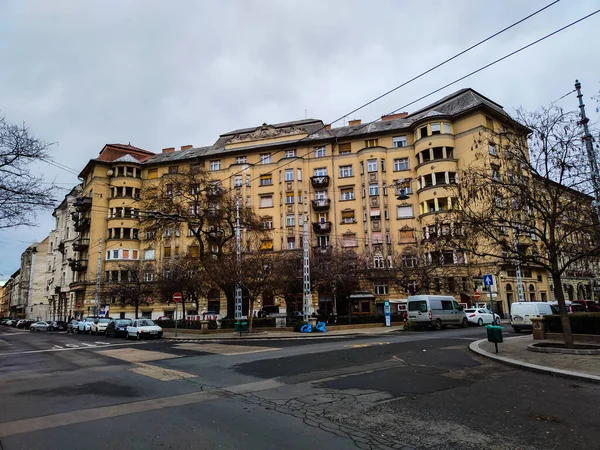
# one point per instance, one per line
(175, 317)
(177, 297)
(388, 313)
(488, 281)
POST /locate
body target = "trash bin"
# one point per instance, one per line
(241, 327)
(494, 333)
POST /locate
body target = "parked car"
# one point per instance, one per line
(10, 322)
(436, 310)
(267, 311)
(39, 326)
(143, 328)
(72, 326)
(85, 326)
(572, 307)
(98, 326)
(57, 325)
(522, 312)
(481, 316)
(21, 323)
(118, 327)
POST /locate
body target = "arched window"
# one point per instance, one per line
(509, 294)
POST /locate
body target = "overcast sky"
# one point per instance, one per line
(158, 74)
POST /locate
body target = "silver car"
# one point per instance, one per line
(39, 326)
(436, 311)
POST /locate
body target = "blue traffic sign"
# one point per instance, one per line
(488, 280)
(388, 313)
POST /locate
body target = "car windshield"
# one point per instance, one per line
(420, 305)
(104, 320)
(145, 323)
(576, 307)
(123, 322)
(90, 319)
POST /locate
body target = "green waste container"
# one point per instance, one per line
(494, 333)
(241, 326)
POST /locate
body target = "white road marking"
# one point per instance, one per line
(69, 347)
(135, 355)
(160, 373)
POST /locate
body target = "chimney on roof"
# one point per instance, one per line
(328, 126)
(186, 147)
(354, 122)
(401, 115)
(168, 150)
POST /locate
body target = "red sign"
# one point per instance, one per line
(177, 297)
(476, 295)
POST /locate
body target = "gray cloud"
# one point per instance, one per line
(161, 74)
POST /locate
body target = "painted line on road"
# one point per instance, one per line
(49, 350)
(107, 412)
(372, 344)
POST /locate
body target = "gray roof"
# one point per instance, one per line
(178, 155)
(276, 125)
(127, 159)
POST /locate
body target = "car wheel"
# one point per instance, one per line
(137, 336)
(497, 320)
(465, 323)
(480, 322)
(31, 329)
(438, 325)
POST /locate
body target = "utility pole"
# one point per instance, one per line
(305, 245)
(238, 251)
(98, 278)
(588, 141)
(520, 292)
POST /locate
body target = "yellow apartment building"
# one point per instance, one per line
(348, 179)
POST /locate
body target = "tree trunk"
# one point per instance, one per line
(137, 307)
(564, 315)
(250, 313)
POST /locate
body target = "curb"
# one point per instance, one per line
(474, 347)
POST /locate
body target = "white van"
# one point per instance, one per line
(522, 312)
(436, 310)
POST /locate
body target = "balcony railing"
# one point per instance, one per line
(321, 227)
(81, 244)
(82, 224)
(321, 204)
(82, 203)
(78, 264)
(320, 182)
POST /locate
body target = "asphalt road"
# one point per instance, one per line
(398, 390)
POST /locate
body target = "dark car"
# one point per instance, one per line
(117, 327)
(267, 311)
(57, 325)
(72, 326)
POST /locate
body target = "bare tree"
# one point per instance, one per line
(21, 192)
(525, 200)
(191, 199)
(127, 284)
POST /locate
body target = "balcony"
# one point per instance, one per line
(61, 247)
(82, 224)
(321, 204)
(320, 182)
(321, 227)
(82, 204)
(57, 289)
(78, 285)
(81, 244)
(78, 265)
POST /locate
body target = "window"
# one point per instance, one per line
(322, 241)
(407, 236)
(215, 165)
(150, 234)
(492, 149)
(435, 128)
(319, 152)
(266, 201)
(371, 143)
(345, 148)
(373, 189)
(401, 164)
(320, 195)
(489, 123)
(447, 129)
(346, 171)
(168, 190)
(290, 153)
(381, 288)
(194, 189)
(372, 165)
(290, 220)
(347, 194)
(195, 167)
(299, 174)
(240, 160)
(423, 132)
(265, 158)
(349, 240)
(409, 260)
(399, 141)
(267, 223)
(289, 199)
(289, 174)
(152, 173)
(238, 181)
(149, 254)
(348, 217)
(378, 262)
(495, 173)
(405, 212)
(291, 243)
(382, 165)
(320, 172)
(167, 252)
(173, 169)
(148, 276)
(266, 180)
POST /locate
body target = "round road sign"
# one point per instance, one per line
(177, 297)
(476, 295)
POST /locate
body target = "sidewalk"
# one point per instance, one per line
(513, 351)
(263, 335)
